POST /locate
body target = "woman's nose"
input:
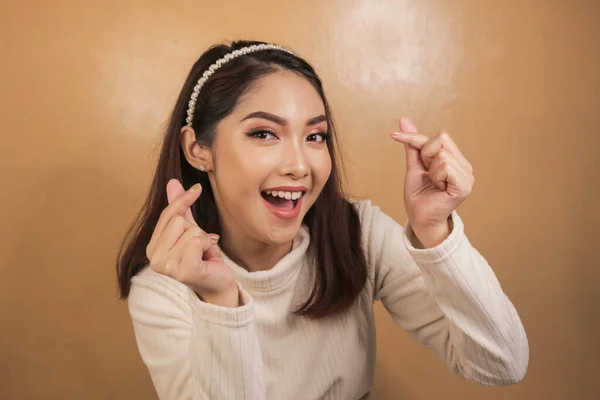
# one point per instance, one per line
(294, 161)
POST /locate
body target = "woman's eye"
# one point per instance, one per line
(263, 135)
(317, 137)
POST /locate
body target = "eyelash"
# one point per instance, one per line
(324, 135)
(256, 133)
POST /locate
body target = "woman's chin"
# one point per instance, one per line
(279, 236)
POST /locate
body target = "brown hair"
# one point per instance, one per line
(340, 266)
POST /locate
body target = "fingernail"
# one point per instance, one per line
(214, 238)
(406, 125)
(195, 187)
(396, 134)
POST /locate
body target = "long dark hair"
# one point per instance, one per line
(340, 267)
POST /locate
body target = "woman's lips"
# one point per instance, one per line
(283, 213)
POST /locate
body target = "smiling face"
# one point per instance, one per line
(270, 160)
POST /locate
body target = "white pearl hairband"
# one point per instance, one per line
(211, 70)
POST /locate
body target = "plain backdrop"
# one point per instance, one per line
(85, 90)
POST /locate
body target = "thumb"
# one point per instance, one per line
(407, 126)
(413, 154)
(174, 191)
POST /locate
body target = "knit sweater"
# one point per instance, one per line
(446, 297)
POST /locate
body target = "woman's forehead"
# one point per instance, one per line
(283, 93)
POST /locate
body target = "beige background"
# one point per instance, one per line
(87, 86)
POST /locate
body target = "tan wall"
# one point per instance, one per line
(86, 87)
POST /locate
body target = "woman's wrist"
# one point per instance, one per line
(229, 299)
(433, 235)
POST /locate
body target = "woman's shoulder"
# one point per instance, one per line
(379, 232)
(372, 218)
(361, 205)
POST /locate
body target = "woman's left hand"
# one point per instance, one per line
(438, 179)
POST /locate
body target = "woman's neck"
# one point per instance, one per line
(253, 255)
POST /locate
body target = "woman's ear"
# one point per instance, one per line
(198, 156)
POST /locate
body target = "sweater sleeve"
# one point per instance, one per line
(448, 298)
(194, 350)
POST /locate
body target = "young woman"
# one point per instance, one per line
(258, 281)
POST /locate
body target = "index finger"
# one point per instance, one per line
(416, 140)
(178, 206)
(174, 191)
(408, 134)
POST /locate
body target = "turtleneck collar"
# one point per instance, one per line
(281, 273)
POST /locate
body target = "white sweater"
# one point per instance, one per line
(447, 297)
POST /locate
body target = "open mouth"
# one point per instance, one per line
(282, 200)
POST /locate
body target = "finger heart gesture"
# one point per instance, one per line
(180, 249)
(438, 178)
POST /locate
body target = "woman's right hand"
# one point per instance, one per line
(181, 250)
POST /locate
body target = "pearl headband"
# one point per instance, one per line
(211, 70)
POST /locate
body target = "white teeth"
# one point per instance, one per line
(285, 195)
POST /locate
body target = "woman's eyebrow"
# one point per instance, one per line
(282, 121)
(316, 120)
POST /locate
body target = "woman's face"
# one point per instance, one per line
(271, 159)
